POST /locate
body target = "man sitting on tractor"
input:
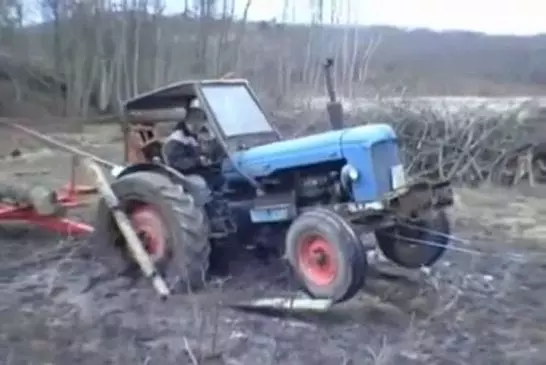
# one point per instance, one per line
(181, 149)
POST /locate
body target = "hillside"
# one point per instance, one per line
(458, 63)
(106, 57)
(425, 62)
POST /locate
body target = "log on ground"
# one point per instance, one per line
(42, 199)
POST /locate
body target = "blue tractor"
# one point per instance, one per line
(225, 176)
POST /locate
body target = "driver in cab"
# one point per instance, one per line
(182, 149)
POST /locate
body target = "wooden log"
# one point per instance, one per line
(136, 248)
(42, 199)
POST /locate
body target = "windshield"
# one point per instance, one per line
(235, 109)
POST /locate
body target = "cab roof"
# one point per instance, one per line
(174, 95)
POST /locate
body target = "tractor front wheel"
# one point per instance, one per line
(173, 229)
(326, 255)
(416, 244)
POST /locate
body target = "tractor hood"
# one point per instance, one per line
(319, 148)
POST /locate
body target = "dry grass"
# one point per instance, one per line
(519, 215)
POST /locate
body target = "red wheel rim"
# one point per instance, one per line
(149, 226)
(317, 260)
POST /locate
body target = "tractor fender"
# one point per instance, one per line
(120, 171)
(193, 184)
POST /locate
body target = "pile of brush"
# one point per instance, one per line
(471, 145)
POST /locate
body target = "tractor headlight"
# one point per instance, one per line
(350, 173)
(353, 173)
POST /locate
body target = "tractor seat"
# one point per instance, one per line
(143, 144)
(147, 145)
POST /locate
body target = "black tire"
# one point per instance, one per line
(350, 256)
(405, 245)
(186, 228)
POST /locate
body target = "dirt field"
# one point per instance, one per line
(483, 304)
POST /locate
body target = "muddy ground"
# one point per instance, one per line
(483, 304)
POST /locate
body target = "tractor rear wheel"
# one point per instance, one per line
(326, 255)
(173, 229)
(416, 244)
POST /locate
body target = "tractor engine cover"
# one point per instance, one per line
(371, 150)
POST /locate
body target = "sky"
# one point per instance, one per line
(521, 17)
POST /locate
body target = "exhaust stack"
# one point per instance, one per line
(334, 107)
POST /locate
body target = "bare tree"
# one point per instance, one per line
(108, 50)
(11, 19)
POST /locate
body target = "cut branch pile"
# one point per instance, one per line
(470, 146)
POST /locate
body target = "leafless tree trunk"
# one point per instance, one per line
(106, 51)
(240, 37)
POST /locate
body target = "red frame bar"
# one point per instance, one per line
(68, 196)
(68, 199)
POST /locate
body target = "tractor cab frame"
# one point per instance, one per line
(232, 114)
